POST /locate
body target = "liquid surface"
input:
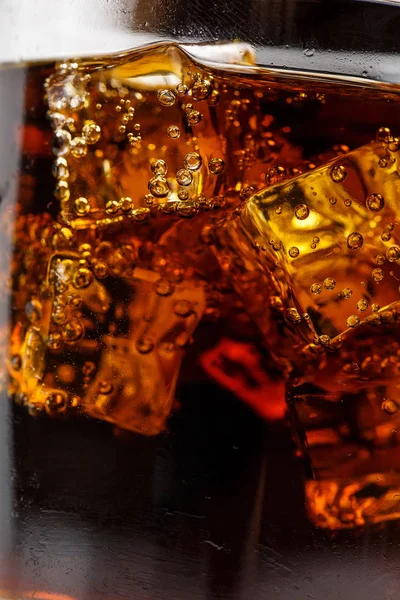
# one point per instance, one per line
(176, 221)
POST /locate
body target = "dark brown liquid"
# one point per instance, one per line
(121, 287)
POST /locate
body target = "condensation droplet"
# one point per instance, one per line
(216, 166)
(338, 173)
(294, 252)
(166, 97)
(375, 202)
(329, 283)
(301, 212)
(353, 321)
(355, 240)
(184, 177)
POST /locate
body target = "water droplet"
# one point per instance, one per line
(184, 177)
(301, 212)
(173, 132)
(353, 321)
(216, 166)
(293, 315)
(316, 289)
(91, 131)
(159, 187)
(390, 406)
(355, 240)
(61, 141)
(393, 253)
(377, 274)
(294, 252)
(159, 167)
(375, 202)
(338, 173)
(362, 305)
(309, 52)
(166, 97)
(81, 206)
(347, 293)
(192, 161)
(78, 147)
(329, 283)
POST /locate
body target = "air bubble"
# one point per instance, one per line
(375, 307)
(183, 195)
(377, 275)
(112, 207)
(355, 240)
(201, 89)
(61, 191)
(105, 388)
(301, 212)
(100, 269)
(383, 134)
(347, 293)
(293, 315)
(375, 202)
(33, 310)
(83, 278)
(386, 235)
(159, 167)
(192, 161)
(159, 187)
(163, 287)
(183, 308)
(294, 252)
(193, 117)
(338, 173)
(216, 166)
(181, 89)
(81, 206)
(144, 346)
(184, 177)
(78, 147)
(362, 305)
(390, 406)
(173, 132)
(275, 174)
(316, 289)
(91, 131)
(166, 97)
(61, 142)
(126, 204)
(72, 331)
(60, 168)
(393, 253)
(329, 283)
(353, 321)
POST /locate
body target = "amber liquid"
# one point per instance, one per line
(122, 286)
